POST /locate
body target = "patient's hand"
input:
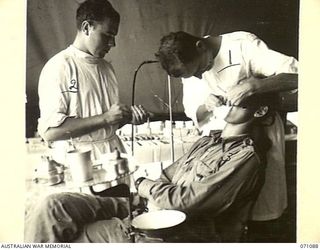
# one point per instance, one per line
(152, 207)
(139, 204)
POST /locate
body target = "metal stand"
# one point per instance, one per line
(171, 120)
(133, 98)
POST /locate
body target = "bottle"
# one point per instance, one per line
(118, 170)
(117, 166)
(50, 171)
(121, 164)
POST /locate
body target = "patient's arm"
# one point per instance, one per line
(168, 172)
(216, 191)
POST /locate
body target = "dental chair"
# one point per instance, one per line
(122, 191)
(233, 224)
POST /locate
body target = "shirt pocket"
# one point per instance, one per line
(203, 170)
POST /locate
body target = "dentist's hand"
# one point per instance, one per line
(213, 101)
(118, 113)
(139, 115)
(242, 90)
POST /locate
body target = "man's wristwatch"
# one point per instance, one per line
(138, 181)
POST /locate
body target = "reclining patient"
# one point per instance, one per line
(215, 183)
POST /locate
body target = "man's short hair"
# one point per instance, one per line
(95, 10)
(177, 47)
(270, 99)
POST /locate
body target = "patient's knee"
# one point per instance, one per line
(52, 200)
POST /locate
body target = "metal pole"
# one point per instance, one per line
(133, 98)
(171, 120)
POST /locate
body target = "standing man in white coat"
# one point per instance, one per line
(78, 89)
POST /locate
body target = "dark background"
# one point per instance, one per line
(51, 28)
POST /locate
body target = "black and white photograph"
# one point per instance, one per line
(161, 121)
(157, 121)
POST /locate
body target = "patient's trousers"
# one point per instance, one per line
(78, 217)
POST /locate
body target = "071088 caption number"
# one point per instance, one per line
(308, 245)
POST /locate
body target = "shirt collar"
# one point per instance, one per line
(216, 60)
(230, 142)
(84, 56)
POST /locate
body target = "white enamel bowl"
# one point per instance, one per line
(159, 223)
